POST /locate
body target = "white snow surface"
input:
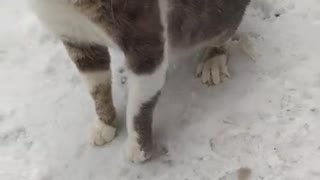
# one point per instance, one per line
(265, 118)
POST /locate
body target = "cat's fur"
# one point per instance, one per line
(149, 32)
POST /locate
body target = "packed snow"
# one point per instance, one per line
(263, 122)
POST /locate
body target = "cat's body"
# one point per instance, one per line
(149, 32)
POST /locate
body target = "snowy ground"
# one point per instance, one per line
(266, 118)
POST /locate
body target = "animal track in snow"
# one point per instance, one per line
(13, 136)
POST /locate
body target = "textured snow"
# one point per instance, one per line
(266, 118)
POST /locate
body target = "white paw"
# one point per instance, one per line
(101, 133)
(212, 71)
(246, 45)
(134, 152)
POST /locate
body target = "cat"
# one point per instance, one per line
(150, 33)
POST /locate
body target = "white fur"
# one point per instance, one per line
(60, 17)
(133, 151)
(142, 88)
(95, 78)
(101, 133)
(163, 5)
(246, 46)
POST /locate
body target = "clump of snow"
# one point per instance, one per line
(265, 119)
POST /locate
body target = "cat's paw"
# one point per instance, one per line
(213, 70)
(101, 133)
(135, 153)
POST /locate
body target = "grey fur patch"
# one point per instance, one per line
(102, 96)
(88, 57)
(244, 173)
(214, 51)
(143, 124)
(192, 22)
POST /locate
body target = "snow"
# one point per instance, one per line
(266, 118)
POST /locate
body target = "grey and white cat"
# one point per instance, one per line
(149, 32)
